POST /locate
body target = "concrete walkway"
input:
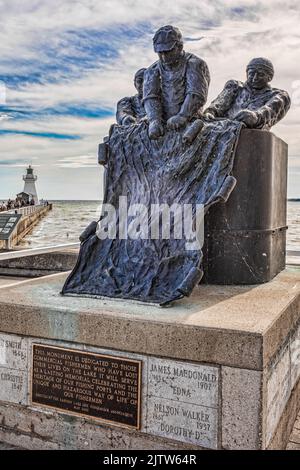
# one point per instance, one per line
(7, 280)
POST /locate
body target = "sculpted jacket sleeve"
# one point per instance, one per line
(152, 93)
(198, 80)
(274, 110)
(124, 109)
(223, 102)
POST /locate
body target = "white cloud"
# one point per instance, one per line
(234, 31)
(79, 161)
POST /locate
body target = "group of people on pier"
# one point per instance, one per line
(17, 203)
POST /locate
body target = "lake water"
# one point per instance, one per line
(69, 218)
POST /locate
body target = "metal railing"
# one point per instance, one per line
(27, 210)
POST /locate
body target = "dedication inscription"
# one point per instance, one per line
(95, 385)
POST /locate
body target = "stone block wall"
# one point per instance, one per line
(185, 405)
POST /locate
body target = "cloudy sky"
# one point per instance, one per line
(65, 63)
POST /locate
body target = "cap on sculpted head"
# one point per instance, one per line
(263, 64)
(166, 38)
(260, 72)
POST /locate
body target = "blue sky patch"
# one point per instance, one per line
(46, 135)
(71, 55)
(83, 110)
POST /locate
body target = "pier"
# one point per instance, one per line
(26, 218)
(19, 217)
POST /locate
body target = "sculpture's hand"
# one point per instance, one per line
(249, 118)
(128, 121)
(176, 122)
(156, 129)
(192, 131)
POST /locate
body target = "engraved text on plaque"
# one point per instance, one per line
(99, 386)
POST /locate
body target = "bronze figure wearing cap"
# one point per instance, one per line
(176, 86)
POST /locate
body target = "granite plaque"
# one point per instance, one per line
(13, 369)
(13, 386)
(183, 402)
(13, 352)
(103, 387)
(183, 422)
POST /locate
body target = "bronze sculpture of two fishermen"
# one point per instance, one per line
(167, 149)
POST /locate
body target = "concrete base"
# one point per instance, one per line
(242, 343)
(246, 237)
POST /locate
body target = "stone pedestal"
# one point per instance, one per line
(219, 370)
(246, 236)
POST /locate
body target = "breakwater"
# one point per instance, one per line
(30, 216)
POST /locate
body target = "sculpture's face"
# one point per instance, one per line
(171, 57)
(257, 77)
(138, 83)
